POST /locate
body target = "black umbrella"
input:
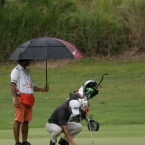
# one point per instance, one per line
(45, 48)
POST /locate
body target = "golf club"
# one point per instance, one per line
(101, 79)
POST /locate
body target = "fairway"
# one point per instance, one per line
(107, 135)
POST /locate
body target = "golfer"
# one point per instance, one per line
(58, 123)
(22, 89)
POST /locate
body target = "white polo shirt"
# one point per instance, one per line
(23, 80)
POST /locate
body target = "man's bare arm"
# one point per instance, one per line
(65, 131)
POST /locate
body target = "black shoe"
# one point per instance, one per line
(51, 143)
(25, 143)
(18, 143)
(63, 142)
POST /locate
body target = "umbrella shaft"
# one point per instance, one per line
(46, 72)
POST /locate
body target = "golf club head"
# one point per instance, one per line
(102, 79)
(106, 74)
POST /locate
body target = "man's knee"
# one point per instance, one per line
(74, 126)
(17, 123)
(57, 131)
(25, 123)
(80, 127)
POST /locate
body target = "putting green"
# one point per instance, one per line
(86, 141)
(107, 135)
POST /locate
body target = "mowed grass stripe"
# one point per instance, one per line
(105, 131)
(86, 141)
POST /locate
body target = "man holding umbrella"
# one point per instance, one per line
(22, 89)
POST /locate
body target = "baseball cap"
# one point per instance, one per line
(75, 106)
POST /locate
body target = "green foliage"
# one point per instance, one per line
(132, 13)
(120, 99)
(103, 27)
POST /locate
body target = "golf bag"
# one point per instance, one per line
(89, 90)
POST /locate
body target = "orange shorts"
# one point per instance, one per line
(24, 113)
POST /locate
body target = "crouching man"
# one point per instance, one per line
(58, 123)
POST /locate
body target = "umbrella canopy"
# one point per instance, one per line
(45, 48)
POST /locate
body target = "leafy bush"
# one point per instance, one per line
(95, 27)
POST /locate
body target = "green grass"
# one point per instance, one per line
(86, 141)
(108, 134)
(105, 131)
(120, 100)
